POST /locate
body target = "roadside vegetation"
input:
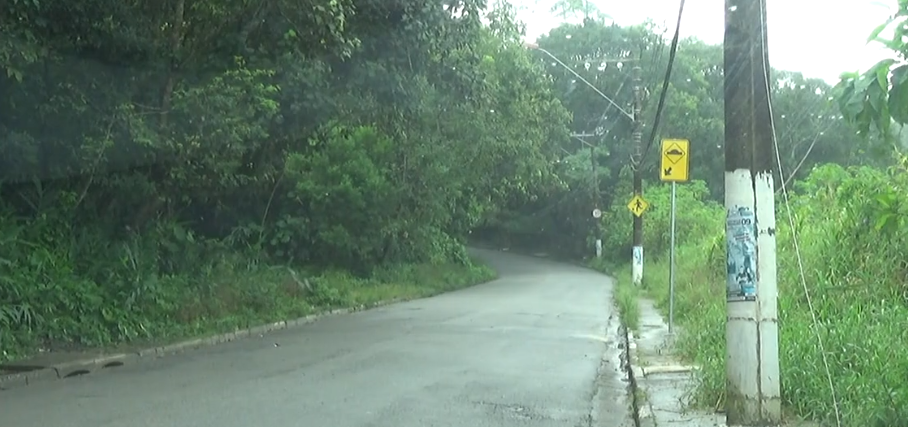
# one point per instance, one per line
(176, 168)
(260, 161)
(852, 234)
(852, 254)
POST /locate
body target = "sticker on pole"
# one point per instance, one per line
(597, 213)
(638, 205)
(741, 244)
(675, 164)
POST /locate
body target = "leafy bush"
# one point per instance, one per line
(71, 289)
(853, 237)
(696, 215)
(157, 183)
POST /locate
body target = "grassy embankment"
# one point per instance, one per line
(853, 235)
(75, 294)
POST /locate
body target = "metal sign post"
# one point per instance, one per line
(675, 168)
(671, 270)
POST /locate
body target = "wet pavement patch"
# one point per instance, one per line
(77, 373)
(511, 410)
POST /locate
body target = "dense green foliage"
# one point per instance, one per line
(847, 206)
(853, 254)
(811, 131)
(878, 98)
(174, 166)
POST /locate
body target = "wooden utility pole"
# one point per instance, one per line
(752, 330)
(637, 256)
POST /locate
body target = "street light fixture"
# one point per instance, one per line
(534, 46)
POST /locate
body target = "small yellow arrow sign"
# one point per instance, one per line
(638, 205)
(675, 165)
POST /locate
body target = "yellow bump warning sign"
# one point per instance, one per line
(675, 165)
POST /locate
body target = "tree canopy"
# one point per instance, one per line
(810, 128)
(878, 98)
(153, 151)
(144, 140)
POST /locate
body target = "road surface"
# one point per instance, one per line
(537, 347)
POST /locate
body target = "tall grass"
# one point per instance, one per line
(853, 236)
(626, 296)
(76, 289)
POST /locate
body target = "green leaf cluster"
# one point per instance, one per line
(170, 163)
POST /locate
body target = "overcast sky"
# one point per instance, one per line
(820, 38)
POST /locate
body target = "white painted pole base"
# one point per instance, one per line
(598, 248)
(637, 266)
(752, 330)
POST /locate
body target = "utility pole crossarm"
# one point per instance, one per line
(580, 136)
(614, 60)
(583, 135)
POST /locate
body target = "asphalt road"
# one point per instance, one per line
(538, 347)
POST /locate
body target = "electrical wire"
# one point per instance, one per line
(791, 223)
(585, 81)
(603, 117)
(656, 58)
(813, 144)
(665, 82)
(804, 115)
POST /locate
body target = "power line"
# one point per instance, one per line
(604, 115)
(665, 82)
(794, 238)
(655, 59)
(816, 138)
(571, 70)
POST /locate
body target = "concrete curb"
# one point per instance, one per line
(613, 328)
(643, 416)
(97, 362)
(668, 369)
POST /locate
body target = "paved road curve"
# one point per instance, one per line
(538, 347)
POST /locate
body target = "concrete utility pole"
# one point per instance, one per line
(637, 258)
(752, 329)
(594, 190)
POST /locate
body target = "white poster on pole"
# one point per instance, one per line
(741, 244)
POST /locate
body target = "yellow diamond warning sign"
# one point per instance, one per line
(638, 205)
(675, 165)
